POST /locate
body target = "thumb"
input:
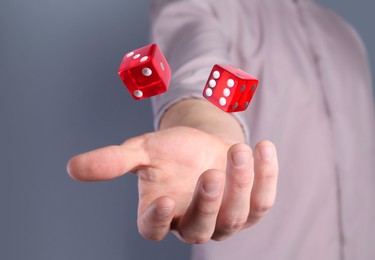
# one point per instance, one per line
(109, 162)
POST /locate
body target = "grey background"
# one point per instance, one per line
(60, 95)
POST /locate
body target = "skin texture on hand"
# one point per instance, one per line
(197, 184)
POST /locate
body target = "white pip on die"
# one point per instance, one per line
(229, 88)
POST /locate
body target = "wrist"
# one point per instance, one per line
(204, 116)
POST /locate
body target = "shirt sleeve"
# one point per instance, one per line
(190, 35)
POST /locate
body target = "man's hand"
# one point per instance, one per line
(197, 185)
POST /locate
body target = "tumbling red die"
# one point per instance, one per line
(229, 88)
(145, 72)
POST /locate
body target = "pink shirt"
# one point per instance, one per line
(314, 102)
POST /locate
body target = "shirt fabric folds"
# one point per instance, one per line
(314, 101)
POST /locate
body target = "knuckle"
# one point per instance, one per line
(206, 210)
(260, 208)
(230, 226)
(268, 176)
(197, 238)
(150, 233)
(240, 186)
(219, 237)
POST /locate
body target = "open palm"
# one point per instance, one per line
(196, 184)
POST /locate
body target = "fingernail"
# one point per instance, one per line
(267, 152)
(211, 188)
(240, 158)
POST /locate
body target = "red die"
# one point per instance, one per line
(229, 88)
(145, 72)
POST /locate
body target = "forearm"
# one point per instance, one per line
(203, 116)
